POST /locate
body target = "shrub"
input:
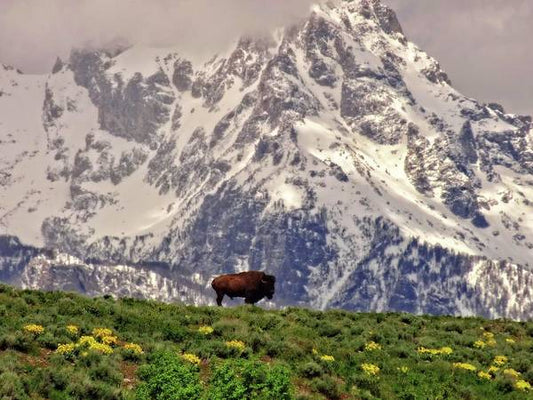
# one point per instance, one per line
(91, 390)
(249, 380)
(328, 330)
(278, 384)
(167, 377)
(17, 341)
(173, 332)
(211, 348)
(11, 386)
(48, 340)
(107, 372)
(327, 386)
(310, 370)
(225, 384)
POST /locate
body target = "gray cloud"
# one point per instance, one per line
(34, 32)
(484, 45)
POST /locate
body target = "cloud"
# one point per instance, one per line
(484, 45)
(34, 32)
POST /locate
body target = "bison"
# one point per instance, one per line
(252, 285)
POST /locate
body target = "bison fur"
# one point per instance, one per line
(252, 285)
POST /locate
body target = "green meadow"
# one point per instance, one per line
(65, 346)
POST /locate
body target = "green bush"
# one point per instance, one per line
(18, 341)
(327, 386)
(226, 384)
(249, 380)
(310, 370)
(174, 332)
(167, 377)
(11, 387)
(106, 371)
(278, 384)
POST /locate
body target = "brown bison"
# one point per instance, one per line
(252, 285)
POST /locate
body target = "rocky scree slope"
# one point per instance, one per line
(334, 154)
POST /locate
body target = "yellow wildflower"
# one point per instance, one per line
(110, 340)
(500, 361)
(493, 369)
(86, 340)
(479, 344)
(423, 350)
(370, 369)
(205, 330)
(102, 332)
(33, 328)
(327, 358)
(134, 348)
(511, 373)
(91, 343)
(66, 348)
(403, 369)
(236, 344)
(433, 352)
(489, 339)
(371, 346)
(465, 366)
(522, 385)
(484, 375)
(101, 348)
(315, 351)
(191, 358)
(72, 329)
(510, 340)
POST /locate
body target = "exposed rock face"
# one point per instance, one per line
(133, 109)
(336, 156)
(64, 272)
(14, 257)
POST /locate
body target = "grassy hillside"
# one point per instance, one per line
(64, 346)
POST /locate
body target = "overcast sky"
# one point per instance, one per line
(484, 45)
(34, 32)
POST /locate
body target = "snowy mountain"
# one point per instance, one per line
(334, 154)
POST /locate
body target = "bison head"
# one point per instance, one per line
(267, 284)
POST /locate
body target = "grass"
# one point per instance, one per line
(64, 346)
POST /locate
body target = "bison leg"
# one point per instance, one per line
(249, 300)
(220, 296)
(252, 297)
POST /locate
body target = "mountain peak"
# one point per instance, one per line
(373, 10)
